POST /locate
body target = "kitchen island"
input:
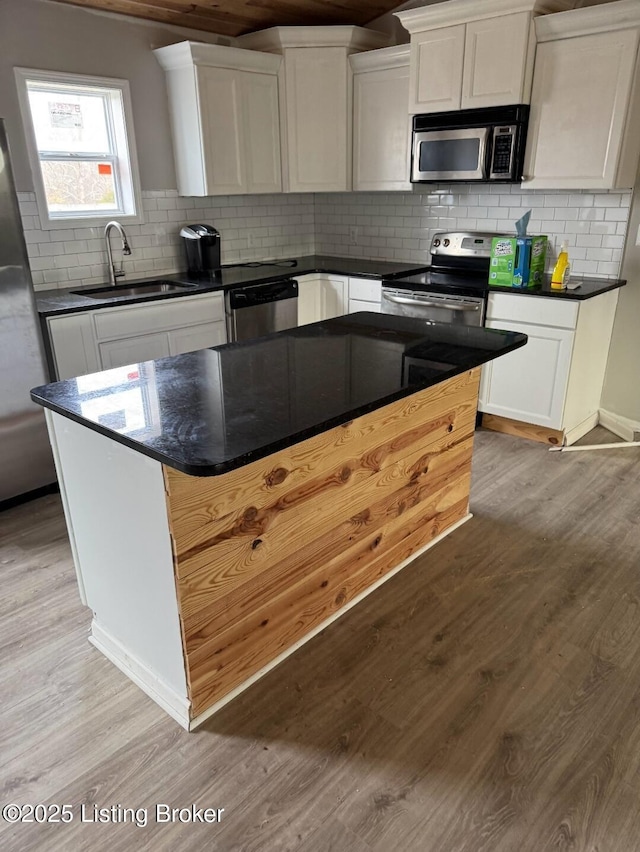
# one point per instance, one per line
(225, 505)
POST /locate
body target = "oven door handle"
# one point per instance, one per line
(450, 306)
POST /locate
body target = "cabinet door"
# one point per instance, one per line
(309, 299)
(381, 129)
(317, 119)
(529, 384)
(221, 115)
(261, 132)
(436, 69)
(73, 345)
(321, 297)
(133, 350)
(333, 299)
(579, 101)
(197, 337)
(495, 59)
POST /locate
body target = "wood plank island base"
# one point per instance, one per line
(200, 584)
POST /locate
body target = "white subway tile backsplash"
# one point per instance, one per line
(63, 235)
(560, 215)
(600, 254)
(36, 237)
(616, 214)
(589, 240)
(157, 216)
(51, 249)
(391, 226)
(605, 268)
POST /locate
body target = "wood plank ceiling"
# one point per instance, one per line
(236, 17)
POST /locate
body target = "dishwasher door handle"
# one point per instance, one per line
(450, 306)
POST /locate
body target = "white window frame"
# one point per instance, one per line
(126, 142)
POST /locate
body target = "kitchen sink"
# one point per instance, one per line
(144, 288)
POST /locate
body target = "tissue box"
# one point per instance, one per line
(517, 261)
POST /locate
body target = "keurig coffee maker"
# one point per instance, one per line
(202, 247)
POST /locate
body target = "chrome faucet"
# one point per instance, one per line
(113, 272)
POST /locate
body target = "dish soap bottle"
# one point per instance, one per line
(560, 274)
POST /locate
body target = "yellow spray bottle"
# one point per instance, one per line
(562, 269)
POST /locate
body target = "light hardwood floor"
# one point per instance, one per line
(486, 699)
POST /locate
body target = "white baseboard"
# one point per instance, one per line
(579, 431)
(263, 671)
(175, 705)
(619, 425)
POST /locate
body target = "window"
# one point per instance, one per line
(80, 139)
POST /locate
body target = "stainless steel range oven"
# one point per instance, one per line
(453, 290)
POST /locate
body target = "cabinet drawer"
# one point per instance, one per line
(537, 310)
(365, 289)
(360, 305)
(114, 323)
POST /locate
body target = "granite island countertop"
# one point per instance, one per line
(208, 412)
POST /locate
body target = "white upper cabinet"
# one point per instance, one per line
(224, 110)
(472, 53)
(315, 101)
(436, 69)
(498, 60)
(584, 130)
(381, 126)
(317, 105)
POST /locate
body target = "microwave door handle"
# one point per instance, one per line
(484, 155)
(451, 306)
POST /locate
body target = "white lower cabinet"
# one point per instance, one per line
(321, 296)
(555, 380)
(365, 294)
(73, 345)
(195, 337)
(147, 347)
(530, 385)
(356, 305)
(105, 338)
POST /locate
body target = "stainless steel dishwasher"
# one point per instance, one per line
(260, 309)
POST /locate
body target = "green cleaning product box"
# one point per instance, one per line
(517, 261)
(537, 258)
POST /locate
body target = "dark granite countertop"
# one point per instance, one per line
(586, 288)
(71, 300)
(210, 411)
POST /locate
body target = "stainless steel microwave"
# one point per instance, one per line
(470, 145)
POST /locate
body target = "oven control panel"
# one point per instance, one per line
(462, 244)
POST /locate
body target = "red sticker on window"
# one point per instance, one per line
(104, 168)
(133, 376)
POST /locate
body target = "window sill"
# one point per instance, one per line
(90, 221)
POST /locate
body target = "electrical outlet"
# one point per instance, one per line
(353, 234)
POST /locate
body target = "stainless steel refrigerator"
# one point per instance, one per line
(26, 463)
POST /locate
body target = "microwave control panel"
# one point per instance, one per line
(502, 152)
